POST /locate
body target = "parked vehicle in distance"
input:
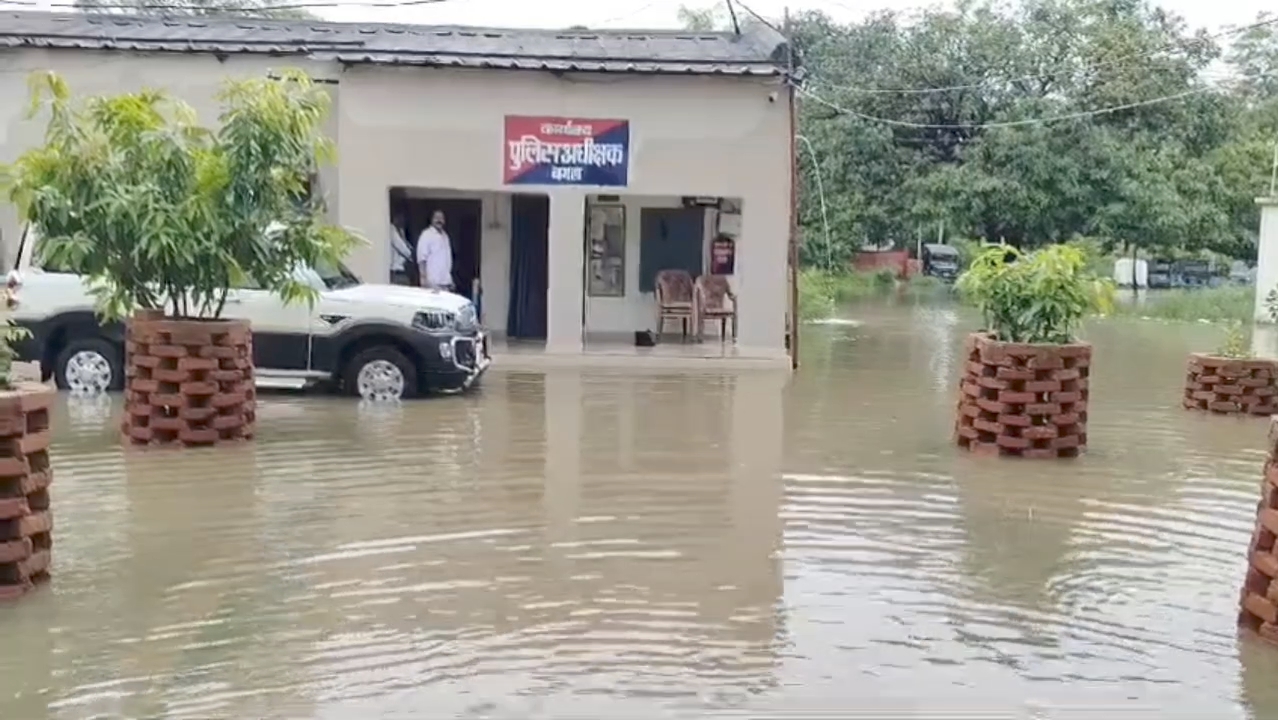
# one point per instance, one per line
(1241, 274)
(940, 261)
(1194, 273)
(382, 342)
(1125, 268)
(1160, 274)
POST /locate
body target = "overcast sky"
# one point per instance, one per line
(662, 13)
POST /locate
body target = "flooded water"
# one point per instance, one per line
(579, 544)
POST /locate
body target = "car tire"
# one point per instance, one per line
(384, 365)
(84, 357)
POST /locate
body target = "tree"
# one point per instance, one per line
(706, 19)
(1254, 56)
(199, 8)
(161, 213)
(1032, 122)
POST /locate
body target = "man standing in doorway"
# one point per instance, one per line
(401, 255)
(435, 255)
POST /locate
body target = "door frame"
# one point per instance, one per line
(448, 204)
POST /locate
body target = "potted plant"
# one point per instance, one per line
(1024, 387)
(1259, 601)
(25, 522)
(163, 217)
(1230, 380)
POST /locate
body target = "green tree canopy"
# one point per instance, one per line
(161, 213)
(1034, 122)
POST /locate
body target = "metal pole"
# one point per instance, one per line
(794, 198)
(1273, 178)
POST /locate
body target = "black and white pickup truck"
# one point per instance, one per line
(383, 342)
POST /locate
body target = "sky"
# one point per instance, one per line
(1209, 14)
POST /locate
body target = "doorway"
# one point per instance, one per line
(529, 266)
(463, 221)
(669, 239)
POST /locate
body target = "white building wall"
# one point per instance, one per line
(193, 79)
(1266, 256)
(421, 127)
(725, 137)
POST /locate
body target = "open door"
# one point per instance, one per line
(463, 221)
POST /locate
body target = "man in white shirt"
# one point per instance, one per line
(401, 253)
(435, 255)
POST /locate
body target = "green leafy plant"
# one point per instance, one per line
(884, 279)
(1271, 304)
(1038, 297)
(1236, 342)
(160, 213)
(9, 334)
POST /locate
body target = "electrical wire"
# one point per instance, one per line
(1003, 124)
(179, 8)
(760, 18)
(630, 14)
(970, 86)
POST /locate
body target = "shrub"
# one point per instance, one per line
(1227, 303)
(884, 279)
(1236, 342)
(1039, 297)
(9, 333)
(160, 213)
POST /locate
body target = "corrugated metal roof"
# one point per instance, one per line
(758, 50)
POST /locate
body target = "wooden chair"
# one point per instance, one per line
(675, 301)
(715, 300)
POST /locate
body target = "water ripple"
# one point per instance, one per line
(593, 544)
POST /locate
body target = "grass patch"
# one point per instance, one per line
(1220, 304)
(820, 292)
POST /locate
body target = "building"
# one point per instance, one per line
(658, 142)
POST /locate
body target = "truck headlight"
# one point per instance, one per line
(434, 320)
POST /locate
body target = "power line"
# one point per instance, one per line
(759, 17)
(1023, 78)
(630, 14)
(232, 11)
(1003, 124)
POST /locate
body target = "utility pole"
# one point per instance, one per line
(794, 194)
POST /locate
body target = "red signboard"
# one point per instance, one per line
(566, 151)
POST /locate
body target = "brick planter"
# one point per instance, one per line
(1259, 597)
(1230, 385)
(26, 525)
(188, 382)
(1021, 400)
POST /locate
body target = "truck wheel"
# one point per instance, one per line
(380, 373)
(89, 366)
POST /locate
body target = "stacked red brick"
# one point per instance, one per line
(1260, 591)
(1023, 400)
(1228, 385)
(189, 382)
(26, 526)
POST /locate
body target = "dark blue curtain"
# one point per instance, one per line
(669, 239)
(529, 271)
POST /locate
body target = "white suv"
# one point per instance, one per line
(375, 341)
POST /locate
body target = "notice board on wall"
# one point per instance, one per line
(542, 150)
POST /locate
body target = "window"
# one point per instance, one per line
(336, 277)
(606, 250)
(54, 267)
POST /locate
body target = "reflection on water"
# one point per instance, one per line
(607, 545)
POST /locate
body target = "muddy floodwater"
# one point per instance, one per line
(613, 544)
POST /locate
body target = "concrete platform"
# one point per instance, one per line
(672, 355)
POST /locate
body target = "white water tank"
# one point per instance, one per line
(1123, 273)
